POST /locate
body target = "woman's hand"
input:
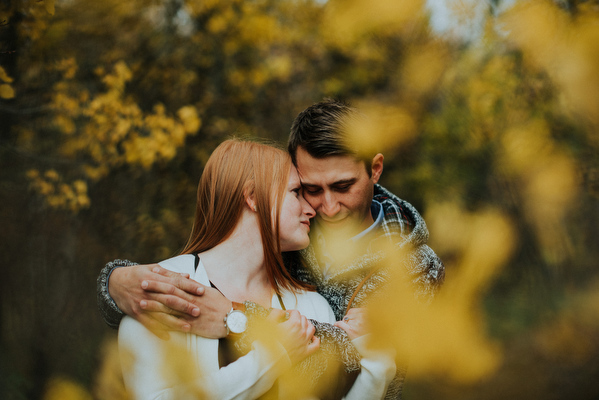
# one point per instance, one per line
(295, 333)
(354, 323)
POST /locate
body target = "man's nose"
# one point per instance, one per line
(330, 205)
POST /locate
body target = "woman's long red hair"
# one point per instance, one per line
(238, 169)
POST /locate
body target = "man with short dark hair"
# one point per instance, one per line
(353, 214)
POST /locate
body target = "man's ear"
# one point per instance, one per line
(377, 167)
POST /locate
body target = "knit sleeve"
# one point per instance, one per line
(426, 271)
(404, 225)
(337, 353)
(110, 312)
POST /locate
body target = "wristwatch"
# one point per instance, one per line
(236, 321)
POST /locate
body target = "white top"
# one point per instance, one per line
(186, 366)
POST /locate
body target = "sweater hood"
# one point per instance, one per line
(413, 228)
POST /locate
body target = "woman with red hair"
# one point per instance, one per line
(249, 210)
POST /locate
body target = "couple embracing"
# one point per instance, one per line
(262, 254)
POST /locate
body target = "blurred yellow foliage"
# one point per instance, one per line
(108, 382)
(563, 45)
(60, 388)
(347, 21)
(570, 337)
(6, 91)
(110, 129)
(382, 128)
(49, 4)
(424, 67)
(58, 194)
(548, 180)
(180, 370)
(448, 337)
(4, 76)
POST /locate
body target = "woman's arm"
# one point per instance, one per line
(187, 365)
(378, 365)
(158, 369)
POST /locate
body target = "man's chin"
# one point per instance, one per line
(337, 226)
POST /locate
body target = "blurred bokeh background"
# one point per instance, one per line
(488, 112)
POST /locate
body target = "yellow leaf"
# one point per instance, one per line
(49, 6)
(4, 76)
(6, 91)
(65, 388)
(190, 119)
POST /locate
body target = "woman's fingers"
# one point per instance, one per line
(313, 345)
(355, 323)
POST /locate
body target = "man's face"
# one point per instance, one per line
(339, 189)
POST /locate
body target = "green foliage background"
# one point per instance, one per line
(109, 110)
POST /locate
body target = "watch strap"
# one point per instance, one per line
(238, 306)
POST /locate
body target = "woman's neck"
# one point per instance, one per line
(236, 266)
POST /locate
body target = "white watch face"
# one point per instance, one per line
(237, 321)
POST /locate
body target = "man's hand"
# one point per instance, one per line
(155, 297)
(296, 334)
(354, 323)
(213, 306)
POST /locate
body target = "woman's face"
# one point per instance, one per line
(294, 221)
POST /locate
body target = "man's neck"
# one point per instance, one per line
(334, 248)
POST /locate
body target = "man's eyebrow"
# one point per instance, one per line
(341, 182)
(309, 184)
(344, 182)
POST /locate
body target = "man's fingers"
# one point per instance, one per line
(152, 306)
(189, 286)
(171, 322)
(157, 328)
(170, 304)
(161, 271)
(157, 269)
(176, 285)
(161, 287)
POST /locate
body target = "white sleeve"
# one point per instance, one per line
(250, 376)
(150, 374)
(378, 370)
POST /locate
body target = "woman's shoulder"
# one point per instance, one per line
(184, 263)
